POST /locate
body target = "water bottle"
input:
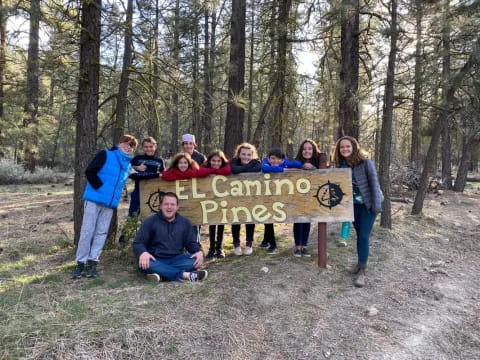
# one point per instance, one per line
(345, 232)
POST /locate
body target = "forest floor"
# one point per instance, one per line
(421, 301)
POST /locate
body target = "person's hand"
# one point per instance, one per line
(144, 260)
(308, 166)
(198, 259)
(142, 167)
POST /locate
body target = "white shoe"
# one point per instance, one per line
(238, 251)
(248, 250)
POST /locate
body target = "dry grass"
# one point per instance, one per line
(423, 279)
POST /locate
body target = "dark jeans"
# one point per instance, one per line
(134, 202)
(171, 268)
(250, 229)
(269, 236)
(363, 224)
(301, 232)
(216, 230)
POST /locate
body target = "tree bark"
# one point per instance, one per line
(87, 101)
(236, 78)
(31, 104)
(174, 96)
(122, 98)
(250, 72)
(154, 121)
(416, 114)
(348, 115)
(3, 48)
(387, 120)
(467, 151)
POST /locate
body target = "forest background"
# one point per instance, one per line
(402, 76)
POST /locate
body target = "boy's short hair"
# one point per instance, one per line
(149, 139)
(276, 152)
(168, 194)
(129, 139)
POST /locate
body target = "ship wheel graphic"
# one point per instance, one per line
(329, 195)
(154, 200)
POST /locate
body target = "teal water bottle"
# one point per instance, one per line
(345, 232)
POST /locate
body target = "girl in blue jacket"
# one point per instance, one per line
(367, 198)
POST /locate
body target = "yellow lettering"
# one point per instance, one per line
(279, 183)
(277, 207)
(179, 189)
(236, 188)
(260, 213)
(195, 193)
(267, 184)
(224, 204)
(306, 186)
(214, 186)
(235, 211)
(205, 210)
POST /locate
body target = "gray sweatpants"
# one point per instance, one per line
(95, 225)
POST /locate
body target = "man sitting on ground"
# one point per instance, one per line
(161, 241)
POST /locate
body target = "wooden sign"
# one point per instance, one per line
(292, 196)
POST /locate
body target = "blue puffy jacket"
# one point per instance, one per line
(110, 177)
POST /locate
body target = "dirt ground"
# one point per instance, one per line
(422, 299)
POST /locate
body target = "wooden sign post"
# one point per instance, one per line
(293, 196)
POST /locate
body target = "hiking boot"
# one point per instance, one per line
(220, 254)
(360, 278)
(248, 250)
(305, 253)
(354, 269)
(153, 277)
(264, 245)
(297, 253)
(211, 254)
(272, 250)
(238, 251)
(92, 269)
(198, 275)
(78, 271)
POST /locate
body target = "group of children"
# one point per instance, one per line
(190, 163)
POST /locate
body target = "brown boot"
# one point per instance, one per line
(360, 278)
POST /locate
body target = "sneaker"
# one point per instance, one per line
(271, 251)
(92, 269)
(220, 254)
(248, 250)
(198, 275)
(210, 254)
(342, 243)
(354, 269)
(238, 251)
(78, 271)
(264, 245)
(360, 279)
(305, 253)
(297, 253)
(153, 277)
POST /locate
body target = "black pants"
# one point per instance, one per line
(218, 231)
(269, 236)
(250, 229)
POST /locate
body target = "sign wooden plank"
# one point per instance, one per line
(292, 196)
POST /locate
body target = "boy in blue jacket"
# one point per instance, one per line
(106, 176)
(275, 162)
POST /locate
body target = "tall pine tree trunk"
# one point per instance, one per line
(87, 101)
(236, 78)
(31, 104)
(250, 73)
(348, 116)
(122, 98)
(154, 121)
(416, 114)
(196, 109)
(176, 65)
(387, 121)
(468, 148)
(3, 49)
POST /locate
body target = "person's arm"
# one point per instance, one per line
(374, 185)
(254, 166)
(226, 170)
(267, 168)
(295, 164)
(94, 167)
(190, 239)
(204, 171)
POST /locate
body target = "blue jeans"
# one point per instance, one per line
(301, 232)
(171, 268)
(134, 202)
(363, 224)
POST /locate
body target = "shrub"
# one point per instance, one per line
(14, 173)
